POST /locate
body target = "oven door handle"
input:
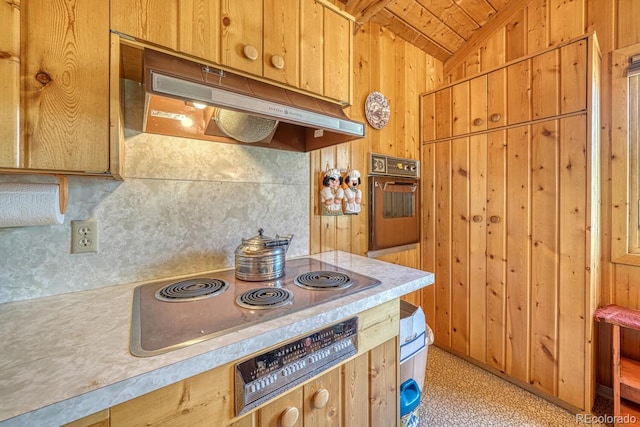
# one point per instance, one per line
(414, 187)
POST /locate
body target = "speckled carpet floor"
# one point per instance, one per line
(458, 393)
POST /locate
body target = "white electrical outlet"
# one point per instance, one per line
(84, 236)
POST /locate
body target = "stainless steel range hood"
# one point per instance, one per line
(188, 99)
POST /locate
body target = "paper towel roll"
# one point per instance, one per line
(23, 204)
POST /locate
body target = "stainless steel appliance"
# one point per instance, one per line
(261, 258)
(394, 203)
(194, 100)
(266, 375)
(170, 315)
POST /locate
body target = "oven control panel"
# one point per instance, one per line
(273, 372)
(393, 166)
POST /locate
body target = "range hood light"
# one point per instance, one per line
(199, 105)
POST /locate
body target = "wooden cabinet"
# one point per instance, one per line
(188, 26)
(304, 44)
(361, 391)
(513, 215)
(337, 56)
(281, 44)
(241, 36)
(285, 411)
(534, 88)
(59, 64)
(315, 404)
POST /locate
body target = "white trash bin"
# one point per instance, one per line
(415, 338)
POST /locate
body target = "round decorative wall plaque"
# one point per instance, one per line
(377, 111)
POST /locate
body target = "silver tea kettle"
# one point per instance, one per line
(261, 258)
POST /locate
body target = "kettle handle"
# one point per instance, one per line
(278, 242)
(281, 241)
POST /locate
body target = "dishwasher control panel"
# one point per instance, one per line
(266, 375)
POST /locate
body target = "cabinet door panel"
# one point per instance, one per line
(66, 85)
(337, 56)
(273, 414)
(497, 98)
(519, 252)
(242, 28)
(519, 92)
(442, 189)
(152, 20)
(573, 59)
(355, 392)
(322, 400)
(478, 294)
(544, 267)
(311, 46)
(574, 264)
(478, 104)
(428, 108)
(545, 85)
(199, 28)
(496, 248)
(459, 244)
(460, 109)
(281, 41)
(443, 113)
(9, 85)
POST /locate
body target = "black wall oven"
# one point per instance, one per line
(394, 202)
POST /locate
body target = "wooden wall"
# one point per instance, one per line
(401, 71)
(542, 24)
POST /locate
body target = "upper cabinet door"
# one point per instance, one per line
(282, 41)
(497, 98)
(573, 63)
(199, 28)
(65, 65)
(151, 20)
(311, 46)
(241, 37)
(478, 104)
(338, 55)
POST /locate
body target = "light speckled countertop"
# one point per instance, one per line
(67, 356)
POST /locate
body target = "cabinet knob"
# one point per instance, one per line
(250, 52)
(477, 122)
(495, 117)
(477, 218)
(494, 219)
(277, 61)
(289, 417)
(321, 398)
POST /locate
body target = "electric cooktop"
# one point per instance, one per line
(173, 314)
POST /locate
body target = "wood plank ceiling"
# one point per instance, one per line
(439, 27)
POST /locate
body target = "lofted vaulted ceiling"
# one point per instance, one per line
(442, 28)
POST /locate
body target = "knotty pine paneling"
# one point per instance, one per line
(401, 71)
(545, 23)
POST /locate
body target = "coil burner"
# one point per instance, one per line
(265, 298)
(191, 290)
(323, 280)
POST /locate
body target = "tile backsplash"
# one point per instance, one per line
(182, 208)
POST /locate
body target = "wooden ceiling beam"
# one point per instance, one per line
(405, 31)
(479, 37)
(364, 10)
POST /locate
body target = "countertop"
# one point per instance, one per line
(67, 356)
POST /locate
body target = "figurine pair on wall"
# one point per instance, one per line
(338, 191)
